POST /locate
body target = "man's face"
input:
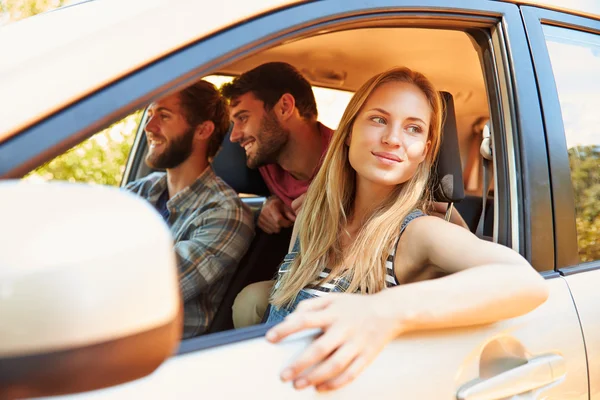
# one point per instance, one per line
(170, 137)
(258, 131)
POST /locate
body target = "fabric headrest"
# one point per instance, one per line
(448, 183)
(230, 165)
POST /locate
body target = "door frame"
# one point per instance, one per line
(565, 231)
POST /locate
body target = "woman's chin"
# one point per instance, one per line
(381, 180)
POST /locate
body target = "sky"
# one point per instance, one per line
(575, 59)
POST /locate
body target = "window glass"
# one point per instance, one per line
(101, 159)
(575, 58)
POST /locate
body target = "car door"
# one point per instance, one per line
(539, 354)
(566, 50)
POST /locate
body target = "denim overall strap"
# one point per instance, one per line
(270, 309)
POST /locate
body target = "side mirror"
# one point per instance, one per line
(89, 293)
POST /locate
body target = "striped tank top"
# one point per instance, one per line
(323, 285)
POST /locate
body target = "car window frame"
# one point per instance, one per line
(565, 230)
(516, 230)
(76, 122)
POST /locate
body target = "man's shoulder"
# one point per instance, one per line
(144, 184)
(224, 195)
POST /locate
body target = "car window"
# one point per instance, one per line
(575, 58)
(101, 159)
(331, 103)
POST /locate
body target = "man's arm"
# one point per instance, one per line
(216, 246)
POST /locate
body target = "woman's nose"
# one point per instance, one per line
(392, 136)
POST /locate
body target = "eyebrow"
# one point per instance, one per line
(237, 114)
(417, 119)
(381, 110)
(164, 109)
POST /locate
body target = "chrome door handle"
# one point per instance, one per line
(537, 372)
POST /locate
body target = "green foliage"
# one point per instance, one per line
(20, 9)
(99, 160)
(585, 175)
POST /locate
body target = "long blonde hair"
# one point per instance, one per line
(330, 198)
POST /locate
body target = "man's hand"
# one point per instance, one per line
(297, 203)
(275, 215)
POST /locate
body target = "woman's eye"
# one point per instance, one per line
(414, 129)
(164, 117)
(378, 120)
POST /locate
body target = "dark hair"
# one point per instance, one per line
(202, 102)
(268, 82)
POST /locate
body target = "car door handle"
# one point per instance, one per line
(536, 373)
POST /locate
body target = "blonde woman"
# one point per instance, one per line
(363, 264)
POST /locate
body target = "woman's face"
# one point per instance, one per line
(389, 137)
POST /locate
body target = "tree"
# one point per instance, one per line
(14, 10)
(585, 176)
(99, 160)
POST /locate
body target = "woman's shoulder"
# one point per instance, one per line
(411, 216)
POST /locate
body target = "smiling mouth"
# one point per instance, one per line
(247, 145)
(152, 143)
(387, 157)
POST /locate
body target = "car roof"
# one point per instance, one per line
(53, 59)
(584, 8)
(56, 58)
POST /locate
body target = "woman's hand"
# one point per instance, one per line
(355, 329)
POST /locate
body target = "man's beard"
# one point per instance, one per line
(174, 154)
(271, 139)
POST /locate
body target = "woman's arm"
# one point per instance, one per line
(488, 282)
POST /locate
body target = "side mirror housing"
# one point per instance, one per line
(89, 293)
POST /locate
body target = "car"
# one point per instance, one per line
(522, 86)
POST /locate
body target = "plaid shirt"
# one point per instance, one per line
(212, 230)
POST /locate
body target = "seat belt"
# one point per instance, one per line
(487, 156)
(449, 211)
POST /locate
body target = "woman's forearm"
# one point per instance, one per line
(474, 296)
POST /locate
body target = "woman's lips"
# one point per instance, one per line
(387, 157)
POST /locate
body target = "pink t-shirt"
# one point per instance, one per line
(282, 184)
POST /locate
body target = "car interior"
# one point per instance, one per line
(343, 60)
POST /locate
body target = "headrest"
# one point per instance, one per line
(230, 165)
(448, 184)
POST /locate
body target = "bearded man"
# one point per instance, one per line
(212, 228)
